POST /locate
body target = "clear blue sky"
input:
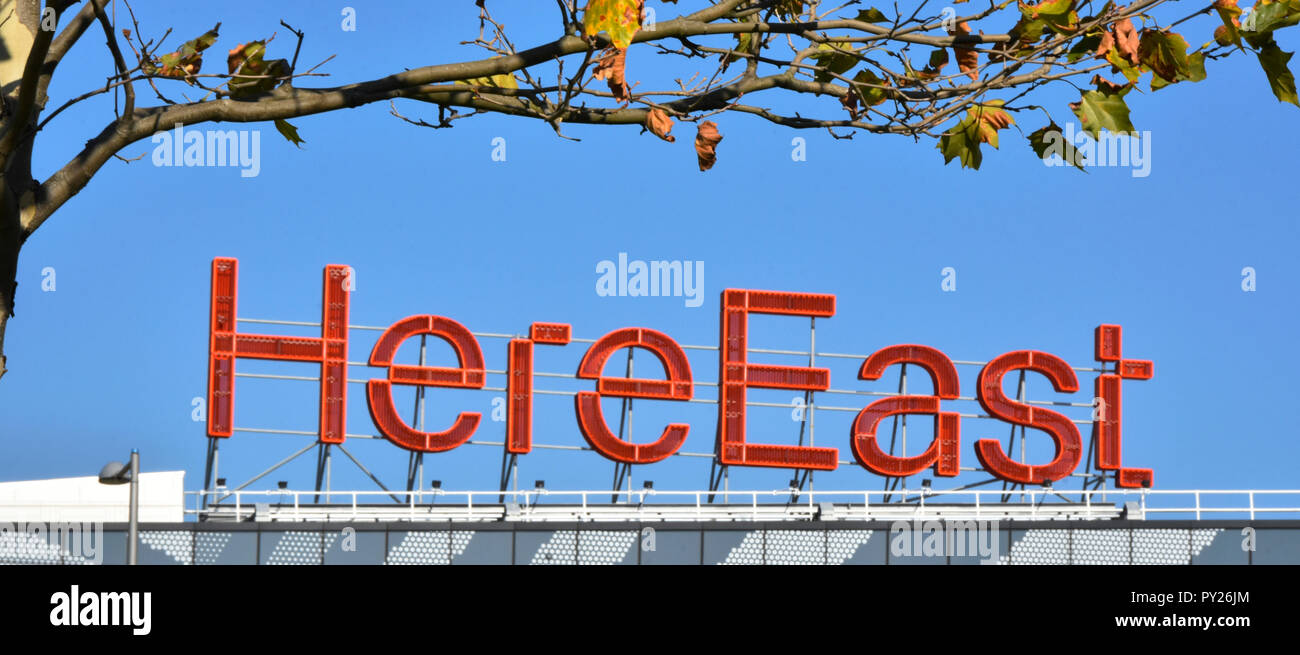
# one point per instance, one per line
(111, 359)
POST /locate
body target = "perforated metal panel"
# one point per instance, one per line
(1100, 547)
(291, 547)
(606, 547)
(1038, 547)
(796, 547)
(426, 547)
(559, 548)
(170, 547)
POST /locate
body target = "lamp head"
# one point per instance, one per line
(115, 473)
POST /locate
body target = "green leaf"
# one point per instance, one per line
(289, 132)
(870, 95)
(1267, 17)
(1050, 140)
(1274, 60)
(1058, 15)
(938, 59)
(1121, 64)
(1165, 53)
(1084, 47)
(502, 81)
(980, 125)
(620, 19)
(1196, 67)
(745, 42)
(1027, 31)
(1229, 13)
(1099, 110)
(252, 75)
(833, 61)
(1195, 72)
(201, 43)
(186, 61)
(872, 15)
(1047, 8)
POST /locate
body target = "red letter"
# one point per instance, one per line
(519, 383)
(996, 403)
(737, 375)
(225, 344)
(678, 386)
(468, 374)
(944, 452)
(1106, 426)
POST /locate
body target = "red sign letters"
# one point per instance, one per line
(736, 376)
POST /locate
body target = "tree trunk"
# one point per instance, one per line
(18, 31)
(9, 246)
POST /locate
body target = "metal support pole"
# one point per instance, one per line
(1020, 395)
(210, 469)
(1011, 444)
(891, 483)
(415, 463)
(624, 433)
(322, 467)
(133, 529)
(622, 472)
(902, 388)
(507, 468)
(812, 355)
(802, 476)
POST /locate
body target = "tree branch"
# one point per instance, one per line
(64, 42)
(118, 60)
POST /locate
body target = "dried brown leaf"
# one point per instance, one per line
(706, 144)
(1126, 40)
(611, 66)
(967, 59)
(658, 122)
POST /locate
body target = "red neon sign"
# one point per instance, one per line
(943, 453)
(736, 376)
(469, 375)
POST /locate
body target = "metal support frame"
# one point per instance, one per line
(623, 471)
(368, 473)
(805, 476)
(719, 474)
(509, 469)
(718, 477)
(273, 467)
(891, 483)
(323, 458)
(415, 462)
(210, 468)
(1011, 444)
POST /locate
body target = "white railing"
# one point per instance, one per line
(733, 505)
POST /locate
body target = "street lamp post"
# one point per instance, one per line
(117, 473)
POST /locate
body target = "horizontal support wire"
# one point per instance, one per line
(568, 376)
(748, 403)
(500, 335)
(499, 444)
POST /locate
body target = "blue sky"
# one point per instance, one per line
(111, 359)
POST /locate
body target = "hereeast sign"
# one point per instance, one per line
(736, 376)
